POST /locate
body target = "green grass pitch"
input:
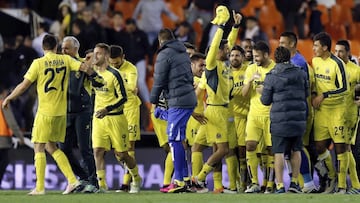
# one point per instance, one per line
(15, 196)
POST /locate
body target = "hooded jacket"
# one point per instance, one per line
(286, 88)
(173, 75)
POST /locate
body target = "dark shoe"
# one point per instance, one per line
(90, 189)
(295, 188)
(280, 191)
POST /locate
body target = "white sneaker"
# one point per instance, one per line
(340, 192)
(135, 186)
(253, 188)
(310, 189)
(35, 192)
(229, 191)
(71, 187)
(199, 186)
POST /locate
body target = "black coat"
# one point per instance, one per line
(173, 75)
(286, 88)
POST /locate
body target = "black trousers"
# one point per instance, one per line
(79, 129)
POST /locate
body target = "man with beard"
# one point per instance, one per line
(240, 107)
(258, 121)
(218, 86)
(110, 127)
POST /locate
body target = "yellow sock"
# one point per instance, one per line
(301, 180)
(352, 171)
(64, 166)
(40, 165)
(217, 176)
(343, 160)
(134, 172)
(271, 171)
(242, 163)
(206, 169)
(169, 169)
(196, 162)
(101, 179)
(231, 163)
(179, 183)
(252, 162)
(126, 178)
(329, 164)
(279, 185)
(295, 180)
(127, 175)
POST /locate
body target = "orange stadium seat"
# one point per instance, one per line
(305, 48)
(251, 7)
(341, 15)
(126, 7)
(179, 3)
(354, 31)
(248, 11)
(256, 4)
(271, 4)
(346, 3)
(268, 17)
(336, 31)
(355, 47)
(198, 30)
(324, 14)
(179, 11)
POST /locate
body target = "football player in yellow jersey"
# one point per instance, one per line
(240, 107)
(218, 86)
(132, 105)
(342, 50)
(110, 127)
(258, 121)
(329, 97)
(248, 45)
(51, 74)
(197, 67)
(289, 41)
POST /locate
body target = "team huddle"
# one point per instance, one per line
(252, 110)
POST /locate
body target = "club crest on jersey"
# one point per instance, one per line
(241, 77)
(327, 71)
(218, 136)
(77, 74)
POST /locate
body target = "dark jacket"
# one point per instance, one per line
(173, 75)
(79, 99)
(285, 87)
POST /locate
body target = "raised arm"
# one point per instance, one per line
(232, 37)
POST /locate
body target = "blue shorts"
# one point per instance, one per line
(177, 120)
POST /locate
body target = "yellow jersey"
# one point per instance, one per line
(129, 74)
(112, 95)
(330, 80)
(256, 107)
(353, 76)
(52, 73)
(241, 104)
(219, 81)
